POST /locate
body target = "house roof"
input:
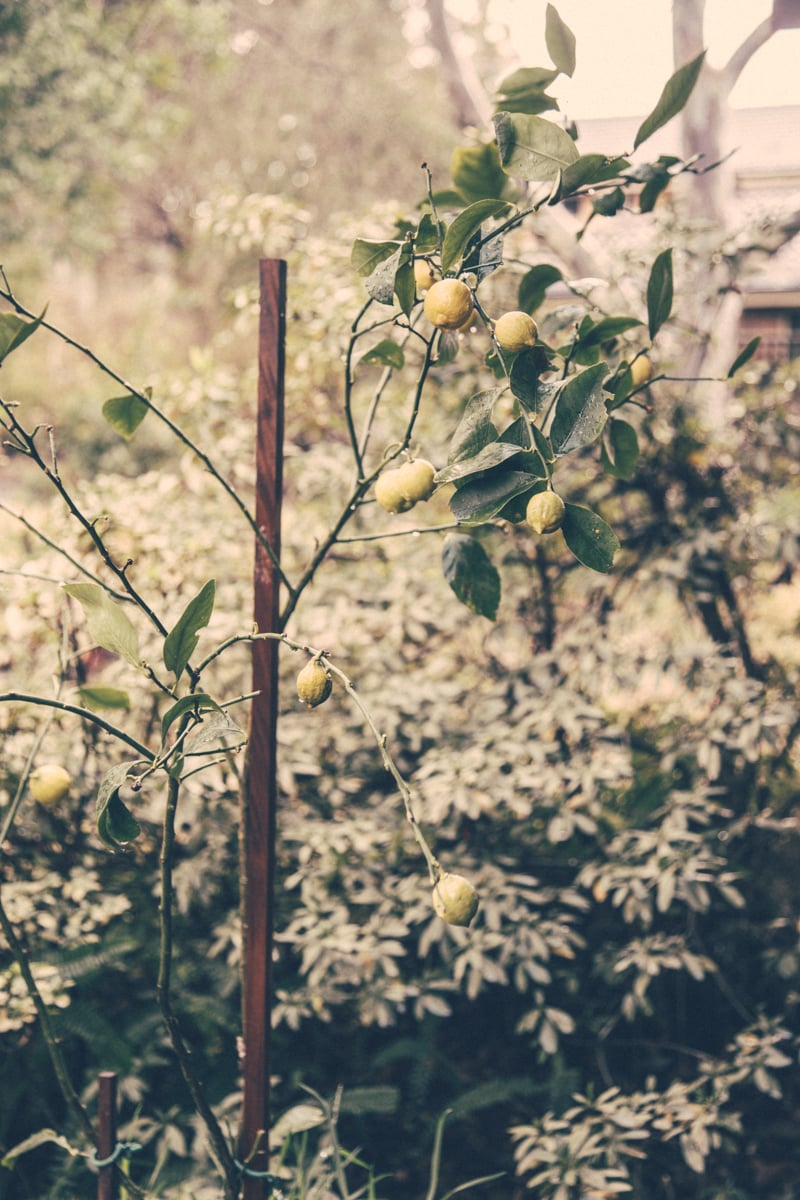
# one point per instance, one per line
(763, 171)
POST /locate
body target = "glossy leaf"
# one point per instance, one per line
(109, 625)
(211, 732)
(481, 499)
(621, 452)
(534, 285)
(532, 148)
(590, 169)
(477, 173)
(677, 91)
(181, 641)
(525, 378)
(125, 414)
(471, 574)
(659, 292)
(116, 825)
(524, 91)
(580, 413)
(490, 456)
(606, 329)
(475, 429)
(560, 41)
(590, 539)
(464, 226)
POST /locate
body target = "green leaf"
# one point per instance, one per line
(609, 204)
(490, 456)
(534, 285)
(471, 574)
(745, 355)
(622, 452)
(380, 284)
(14, 331)
(211, 731)
(560, 41)
(104, 697)
(659, 292)
(580, 412)
(367, 255)
(589, 538)
(426, 238)
(676, 92)
(387, 353)
(116, 825)
(109, 625)
(196, 703)
(523, 91)
(525, 378)
(180, 642)
(590, 169)
(475, 429)
(404, 286)
(532, 148)
(465, 225)
(477, 173)
(481, 499)
(608, 328)
(125, 414)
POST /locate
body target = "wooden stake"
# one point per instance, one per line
(108, 1179)
(259, 794)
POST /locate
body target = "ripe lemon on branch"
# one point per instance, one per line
(49, 783)
(400, 488)
(448, 304)
(515, 331)
(454, 899)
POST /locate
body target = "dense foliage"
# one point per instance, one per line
(603, 741)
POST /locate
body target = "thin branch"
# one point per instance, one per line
(85, 714)
(180, 1048)
(743, 53)
(7, 294)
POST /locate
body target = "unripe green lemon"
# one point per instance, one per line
(545, 512)
(641, 369)
(416, 480)
(515, 330)
(424, 277)
(313, 684)
(448, 304)
(455, 899)
(49, 783)
(389, 491)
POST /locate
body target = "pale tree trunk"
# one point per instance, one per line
(718, 307)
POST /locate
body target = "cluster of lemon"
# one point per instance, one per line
(449, 304)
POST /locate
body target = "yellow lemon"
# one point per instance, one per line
(416, 480)
(515, 331)
(545, 512)
(49, 783)
(455, 899)
(313, 684)
(448, 304)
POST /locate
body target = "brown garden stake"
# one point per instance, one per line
(259, 793)
(107, 1179)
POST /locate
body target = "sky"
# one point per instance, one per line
(624, 52)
